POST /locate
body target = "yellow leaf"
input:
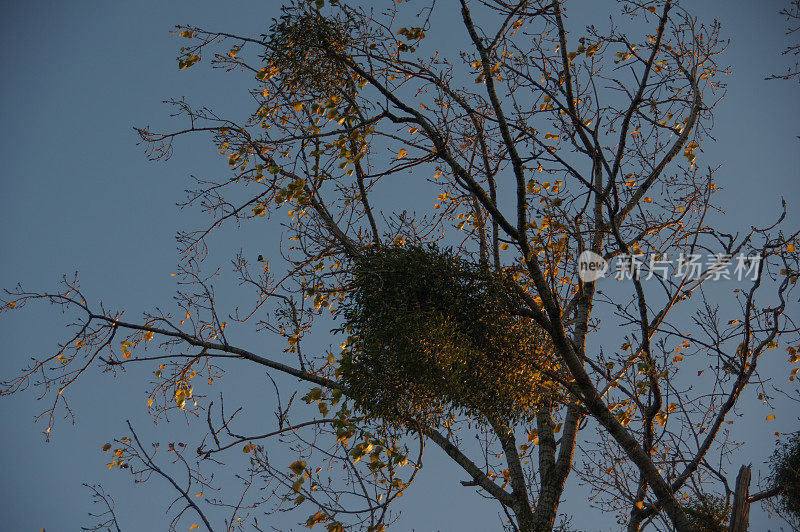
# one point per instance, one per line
(106, 447)
(640, 505)
(12, 304)
(648, 199)
(771, 417)
(504, 246)
(247, 448)
(298, 106)
(194, 526)
(314, 519)
(789, 247)
(550, 136)
(298, 466)
(413, 130)
(148, 336)
(402, 153)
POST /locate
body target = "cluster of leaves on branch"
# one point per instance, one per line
(431, 335)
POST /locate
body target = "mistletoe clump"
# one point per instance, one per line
(785, 464)
(305, 49)
(709, 513)
(431, 335)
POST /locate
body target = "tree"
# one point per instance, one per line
(537, 149)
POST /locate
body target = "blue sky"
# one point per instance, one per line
(78, 194)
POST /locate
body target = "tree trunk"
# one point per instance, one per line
(740, 515)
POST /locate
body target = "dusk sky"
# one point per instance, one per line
(78, 194)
